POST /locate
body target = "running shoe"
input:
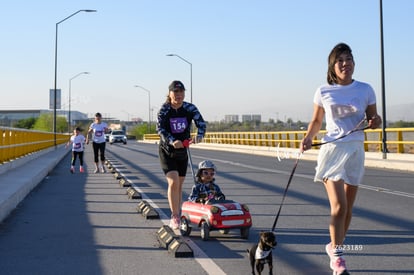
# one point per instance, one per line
(175, 222)
(103, 169)
(81, 169)
(329, 251)
(96, 170)
(339, 267)
(72, 169)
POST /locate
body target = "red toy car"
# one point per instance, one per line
(220, 215)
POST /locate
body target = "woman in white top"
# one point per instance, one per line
(98, 130)
(345, 103)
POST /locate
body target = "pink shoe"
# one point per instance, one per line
(338, 266)
(175, 222)
(72, 169)
(81, 169)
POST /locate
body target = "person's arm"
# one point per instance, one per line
(194, 194)
(219, 193)
(200, 124)
(374, 120)
(313, 128)
(88, 134)
(164, 134)
(69, 142)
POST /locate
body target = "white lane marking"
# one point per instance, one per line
(363, 186)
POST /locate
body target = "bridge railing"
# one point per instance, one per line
(399, 140)
(16, 143)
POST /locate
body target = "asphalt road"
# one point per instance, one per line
(85, 223)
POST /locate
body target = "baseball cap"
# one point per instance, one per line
(176, 85)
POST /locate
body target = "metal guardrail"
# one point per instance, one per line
(16, 143)
(399, 140)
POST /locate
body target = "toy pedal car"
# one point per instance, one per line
(215, 215)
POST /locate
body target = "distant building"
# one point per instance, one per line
(9, 117)
(251, 118)
(231, 118)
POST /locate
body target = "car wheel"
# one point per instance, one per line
(244, 233)
(185, 228)
(111, 143)
(224, 231)
(125, 143)
(205, 231)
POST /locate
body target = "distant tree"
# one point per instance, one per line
(26, 123)
(45, 123)
(402, 124)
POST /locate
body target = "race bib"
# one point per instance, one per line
(98, 133)
(178, 124)
(77, 146)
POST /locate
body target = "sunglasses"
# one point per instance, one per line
(208, 173)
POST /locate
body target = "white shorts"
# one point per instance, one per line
(341, 161)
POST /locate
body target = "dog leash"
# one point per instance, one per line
(286, 189)
(357, 128)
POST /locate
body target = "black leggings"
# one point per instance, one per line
(99, 147)
(75, 154)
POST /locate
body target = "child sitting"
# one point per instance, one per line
(205, 188)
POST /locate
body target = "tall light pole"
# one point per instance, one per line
(54, 90)
(149, 106)
(384, 117)
(70, 98)
(191, 74)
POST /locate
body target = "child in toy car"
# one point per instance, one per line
(205, 189)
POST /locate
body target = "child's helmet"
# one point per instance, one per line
(206, 164)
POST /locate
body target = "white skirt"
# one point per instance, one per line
(341, 161)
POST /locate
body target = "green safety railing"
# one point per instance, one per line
(17, 143)
(399, 140)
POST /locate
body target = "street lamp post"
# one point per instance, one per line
(384, 117)
(191, 74)
(54, 90)
(70, 98)
(149, 106)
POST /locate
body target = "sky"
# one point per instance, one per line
(262, 57)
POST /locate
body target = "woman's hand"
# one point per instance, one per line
(306, 144)
(374, 122)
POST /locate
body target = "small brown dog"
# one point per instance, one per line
(261, 253)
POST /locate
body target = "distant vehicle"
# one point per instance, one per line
(117, 136)
(215, 215)
(107, 136)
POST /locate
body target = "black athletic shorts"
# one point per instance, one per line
(172, 164)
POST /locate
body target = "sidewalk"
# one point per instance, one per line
(19, 177)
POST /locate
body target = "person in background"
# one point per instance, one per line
(206, 189)
(174, 127)
(97, 130)
(77, 140)
(344, 103)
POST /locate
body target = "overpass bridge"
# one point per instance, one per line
(58, 223)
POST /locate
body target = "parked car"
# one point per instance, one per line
(215, 215)
(117, 136)
(107, 136)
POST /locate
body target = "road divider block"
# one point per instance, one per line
(147, 210)
(133, 193)
(173, 243)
